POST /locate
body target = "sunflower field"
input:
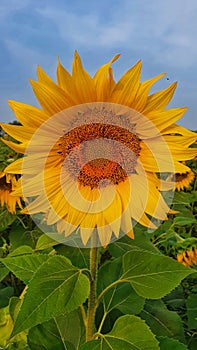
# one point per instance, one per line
(118, 275)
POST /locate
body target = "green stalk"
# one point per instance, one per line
(92, 296)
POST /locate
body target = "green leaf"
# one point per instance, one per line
(14, 305)
(60, 333)
(78, 256)
(125, 244)
(151, 275)
(125, 299)
(20, 236)
(45, 242)
(56, 287)
(175, 299)
(24, 266)
(162, 321)
(166, 343)
(184, 197)
(193, 343)
(6, 219)
(5, 295)
(23, 249)
(128, 333)
(182, 221)
(3, 272)
(191, 304)
(121, 296)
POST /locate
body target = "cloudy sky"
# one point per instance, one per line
(161, 33)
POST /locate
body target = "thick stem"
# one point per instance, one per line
(92, 295)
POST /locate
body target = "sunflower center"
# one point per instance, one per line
(4, 186)
(96, 152)
(179, 177)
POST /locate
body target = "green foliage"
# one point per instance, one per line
(152, 276)
(162, 321)
(56, 287)
(125, 244)
(6, 219)
(24, 266)
(126, 335)
(5, 294)
(145, 298)
(3, 272)
(166, 343)
(62, 332)
(191, 304)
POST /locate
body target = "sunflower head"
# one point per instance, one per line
(8, 184)
(94, 151)
(182, 180)
(187, 252)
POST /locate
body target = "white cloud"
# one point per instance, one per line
(29, 58)
(166, 30)
(6, 7)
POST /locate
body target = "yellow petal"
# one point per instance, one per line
(85, 234)
(187, 138)
(63, 226)
(84, 88)
(19, 133)
(51, 100)
(126, 88)
(178, 129)
(15, 167)
(28, 115)
(159, 162)
(64, 79)
(164, 118)
(143, 91)
(44, 78)
(126, 222)
(159, 100)
(104, 233)
(104, 81)
(19, 148)
(39, 205)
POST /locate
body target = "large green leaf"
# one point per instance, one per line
(56, 287)
(191, 304)
(152, 275)
(162, 321)
(125, 244)
(166, 343)
(60, 333)
(78, 256)
(121, 296)
(24, 266)
(128, 333)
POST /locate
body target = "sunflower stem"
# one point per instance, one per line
(83, 314)
(92, 296)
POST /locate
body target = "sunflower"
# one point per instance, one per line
(186, 251)
(95, 148)
(182, 180)
(188, 257)
(8, 183)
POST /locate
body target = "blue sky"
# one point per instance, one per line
(161, 33)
